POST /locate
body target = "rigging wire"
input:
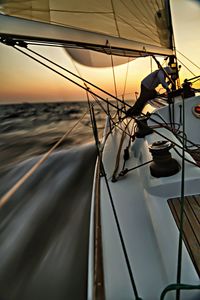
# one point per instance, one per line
(185, 67)
(112, 203)
(4, 199)
(71, 80)
(125, 171)
(85, 88)
(151, 64)
(93, 121)
(114, 79)
(196, 80)
(126, 150)
(98, 102)
(95, 98)
(174, 143)
(182, 204)
(117, 160)
(113, 71)
(189, 161)
(160, 66)
(176, 287)
(120, 235)
(126, 77)
(160, 134)
(71, 73)
(188, 59)
(85, 83)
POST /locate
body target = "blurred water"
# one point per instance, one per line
(44, 227)
(27, 130)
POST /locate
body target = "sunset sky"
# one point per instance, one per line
(24, 80)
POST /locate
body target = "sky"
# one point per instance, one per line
(22, 80)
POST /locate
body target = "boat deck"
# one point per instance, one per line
(196, 155)
(191, 225)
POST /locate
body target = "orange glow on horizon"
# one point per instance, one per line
(25, 80)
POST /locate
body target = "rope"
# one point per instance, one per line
(186, 67)
(189, 161)
(96, 99)
(114, 79)
(159, 65)
(118, 157)
(125, 171)
(7, 196)
(71, 80)
(88, 88)
(85, 88)
(120, 235)
(93, 121)
(87, 91)
(151, 64)
(175, 287)
(188, 59)
(4, 199)
(126, 77)
(180, 244)
(113, 71)
(79, 77)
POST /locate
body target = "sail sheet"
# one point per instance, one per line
(122, 27)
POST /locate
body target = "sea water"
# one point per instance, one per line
(44, 226)
(28, 130)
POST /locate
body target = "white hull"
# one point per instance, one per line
(149, 230)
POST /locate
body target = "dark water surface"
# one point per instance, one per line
(27, 130)
(44, 227)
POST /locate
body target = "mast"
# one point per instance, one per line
(172, 58)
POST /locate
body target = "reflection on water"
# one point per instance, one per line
(28, 130)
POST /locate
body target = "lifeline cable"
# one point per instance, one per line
(85, 81)
(86, 89)
(93, 121)
(121, 237)
(10, 42)
(186, 67)
(79, 77)
(188, 59)
(180, 242)
(125, 171)
(71, 80)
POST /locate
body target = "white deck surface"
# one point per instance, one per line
(149, 230)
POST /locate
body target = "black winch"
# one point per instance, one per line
(142, 127)
(163, 164)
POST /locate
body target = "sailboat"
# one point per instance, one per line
(144, 240)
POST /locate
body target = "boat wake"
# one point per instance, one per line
(44, 228)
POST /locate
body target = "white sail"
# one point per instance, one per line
(95, 59)
(125, 27)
